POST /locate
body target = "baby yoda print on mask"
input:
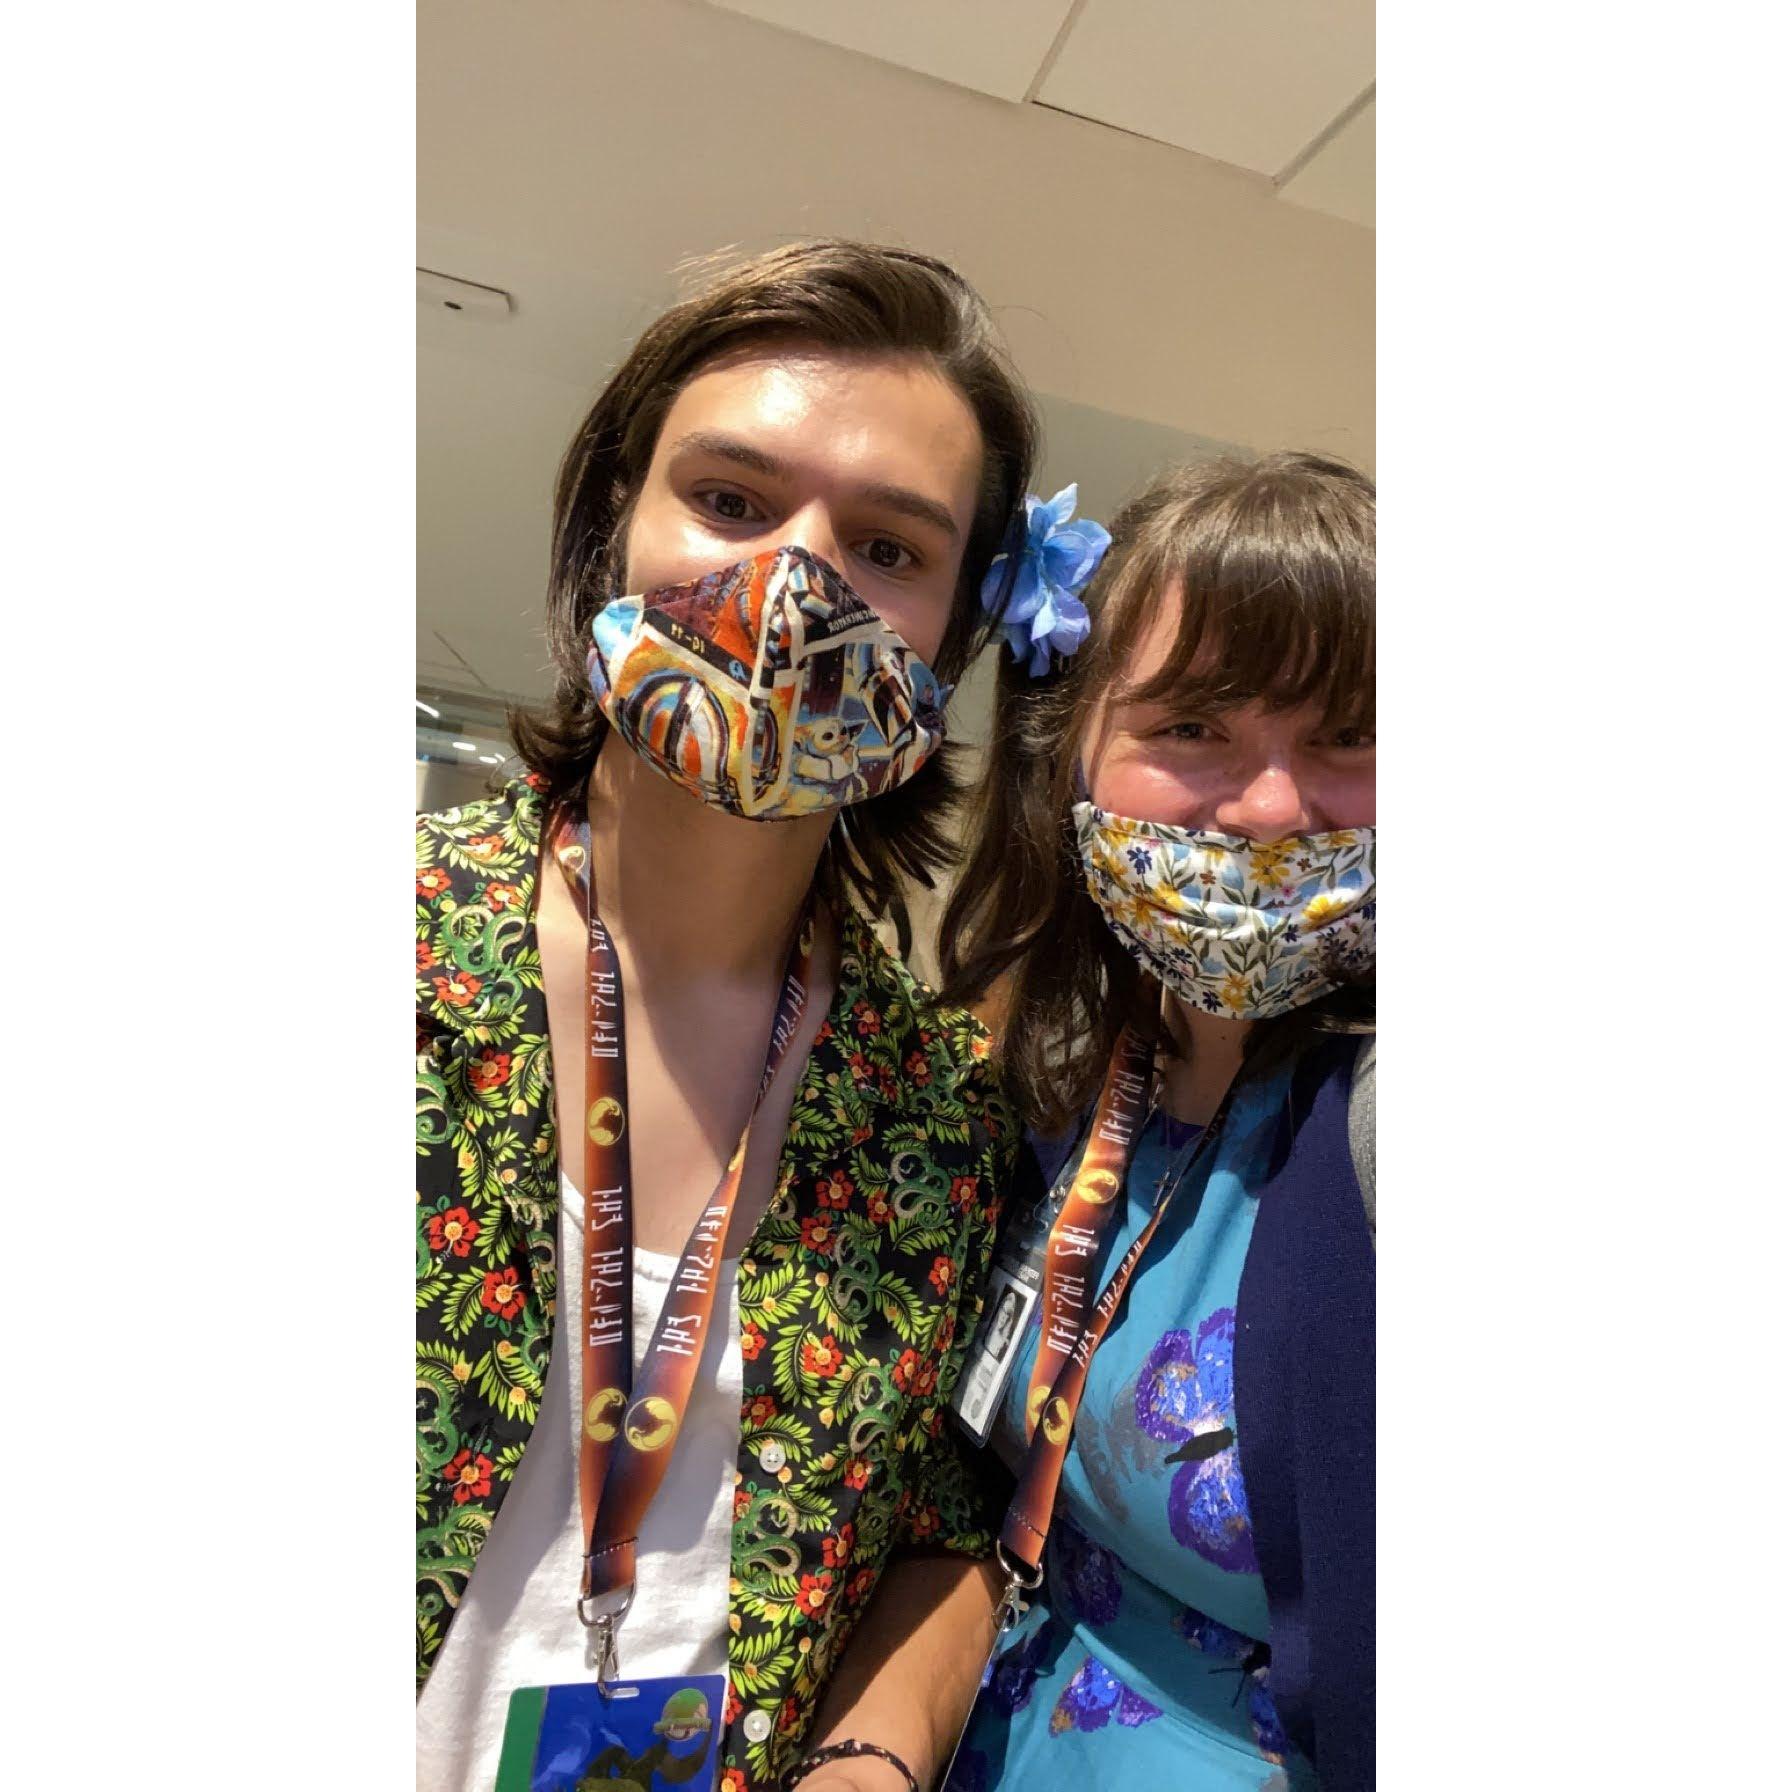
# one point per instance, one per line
(768, 689)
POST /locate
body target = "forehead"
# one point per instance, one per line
(833, 417)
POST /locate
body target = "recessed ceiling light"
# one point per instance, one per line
(466, 746)
(429, 709)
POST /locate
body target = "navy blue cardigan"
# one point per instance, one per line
(1304, 1380)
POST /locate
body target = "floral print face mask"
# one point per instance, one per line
(1238, 929)
(769, 689)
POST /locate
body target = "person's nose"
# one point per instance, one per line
(812, 527)
(1270, 806)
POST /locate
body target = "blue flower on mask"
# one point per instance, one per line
(1054, 561)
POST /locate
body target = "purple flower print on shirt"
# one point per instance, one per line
(1092, 1696)
(1012, 1673)
(1251, 1658)
(1086, 1574)
(1185, 1397)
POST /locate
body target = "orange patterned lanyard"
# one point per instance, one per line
(1072, 1321)
(629, 1423)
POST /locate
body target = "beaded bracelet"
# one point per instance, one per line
(838, 1751)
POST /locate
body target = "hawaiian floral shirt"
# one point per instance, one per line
(858, 1290)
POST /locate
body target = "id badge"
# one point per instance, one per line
(647, 1735)
(1015, 1280)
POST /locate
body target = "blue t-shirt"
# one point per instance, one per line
(1153, 1620)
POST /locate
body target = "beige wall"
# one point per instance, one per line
(573, 154)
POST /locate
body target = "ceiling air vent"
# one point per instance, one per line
(443, 292)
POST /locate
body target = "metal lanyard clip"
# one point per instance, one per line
(604, 1623)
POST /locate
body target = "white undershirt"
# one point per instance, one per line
(517, 1625)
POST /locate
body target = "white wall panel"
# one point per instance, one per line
(1251, 82)
(992, 46)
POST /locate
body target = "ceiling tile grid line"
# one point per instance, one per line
(1042, 74)
(1327, 136)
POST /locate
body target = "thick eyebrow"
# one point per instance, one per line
(899, 498)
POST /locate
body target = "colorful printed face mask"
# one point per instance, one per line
(769, 689)
(1239, 929)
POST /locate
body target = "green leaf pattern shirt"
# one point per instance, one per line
(858, 1290)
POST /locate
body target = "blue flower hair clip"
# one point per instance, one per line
(1054, 561)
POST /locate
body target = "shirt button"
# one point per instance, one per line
(758, 1725)
(771, 1457)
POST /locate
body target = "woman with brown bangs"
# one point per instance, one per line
(1171, 911)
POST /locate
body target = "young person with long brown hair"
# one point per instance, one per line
(1171, 901)
(650, 996)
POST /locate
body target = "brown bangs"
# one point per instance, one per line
(1277, 587)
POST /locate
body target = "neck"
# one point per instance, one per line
(1202, 1057)
(688, 887)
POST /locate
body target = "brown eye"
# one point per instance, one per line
(887, 555)
(731, 506)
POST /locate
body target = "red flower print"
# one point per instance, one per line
(489, 1070)
(836, 1551)
(426, 956)
(789, 1716)
(752, 1341)
(535, 780)
(813, 1594)
(733, 1780)
(866, 1019)
(942, 1273)
(918, 1073)
(818, 1232)
(858, 1472)
(902, 1377)
(502, 896)
(860, 1067)
(835, 1191)
(823, 1358)
(742, 1500)
(926, 1522)
(860, 1134)
(470, 1476)
(484, 846)
(928, 1379)
(980, 1046)
(964, 1193)
(824, 1032)
(457, 991)
(879, 1207)
(433, 883)
(453, 1231)
(731, 1709)
(760, 1410)
(860, 1584)
(501, 1295)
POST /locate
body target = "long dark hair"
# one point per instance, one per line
(828, 294)
(1273, 563)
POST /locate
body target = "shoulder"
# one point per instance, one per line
(940, 1054)
(482, 841)
(1360, 1123)
(476, 871)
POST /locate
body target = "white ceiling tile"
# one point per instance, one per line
(1340, 179)
(993, 46)
(1251, 82)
